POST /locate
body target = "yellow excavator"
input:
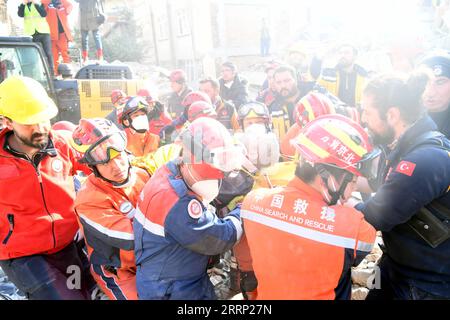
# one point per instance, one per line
(86, 95)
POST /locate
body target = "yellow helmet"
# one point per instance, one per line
(25, 101)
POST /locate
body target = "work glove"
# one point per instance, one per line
(249, 284)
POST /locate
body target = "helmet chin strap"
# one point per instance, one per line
(336, 195)
(130, 122)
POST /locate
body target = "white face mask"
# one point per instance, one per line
(140, 123)
(256, 129)
(207, 189)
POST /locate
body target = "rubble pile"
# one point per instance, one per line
(366, 275)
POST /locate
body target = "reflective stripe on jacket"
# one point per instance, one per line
(36, 204)
(300, 247)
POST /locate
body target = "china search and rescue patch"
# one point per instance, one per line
(406, 168)
(195, 209)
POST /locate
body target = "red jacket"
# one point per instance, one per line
(36, 204)
(52, 18)
(157, 124)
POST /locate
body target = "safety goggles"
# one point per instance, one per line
(259, 109)
(105, 149)
(367, 166)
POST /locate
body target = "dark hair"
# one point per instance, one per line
(214, 83)
(230, 65)
(392, 91)
(286, 68)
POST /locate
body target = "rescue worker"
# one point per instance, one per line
(179, 122)
(309, 107)
(233, 87)
(180, 89)
(37, 221)
(347, 79)
(269, 90)
(133, 117)
(436, 97)
(412, 205)
(118, 100)
(60, 34)
(302, 244)
(106, 204)
(226, 112)
(175, 232)
(282, 109)
(35, 25)
(261, 143)
(158, 116)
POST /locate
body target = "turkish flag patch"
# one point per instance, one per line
(406, 168)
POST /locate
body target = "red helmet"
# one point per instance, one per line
(178, 76)
(64, 125)
(117, 95)
(311, 106)
(349, 112)
(194, 96)
(337, 141)
(133, 105)
(145, 94)
(201, 109)
(98, 141)
(209, 149)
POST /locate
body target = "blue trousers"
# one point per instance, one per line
(45, 277)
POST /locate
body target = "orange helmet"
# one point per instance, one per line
(209, 149)
(311, 106)
(339, 142)
(98, 141)
(194, 96)
(201, 109)
(117, 96)
(64, 125)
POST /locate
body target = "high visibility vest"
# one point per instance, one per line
(34, 22)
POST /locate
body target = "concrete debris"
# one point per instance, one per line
(366, 275)
(359, 293)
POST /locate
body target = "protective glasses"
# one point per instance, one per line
(259, 109)
(105, 149)
(367, 165)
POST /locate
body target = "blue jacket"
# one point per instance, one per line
(415, 175)
(174, 236)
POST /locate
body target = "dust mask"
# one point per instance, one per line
(140, 124)
(256, 129)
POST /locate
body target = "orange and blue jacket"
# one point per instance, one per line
(105, 215)
(37, 198)
(298, 246)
